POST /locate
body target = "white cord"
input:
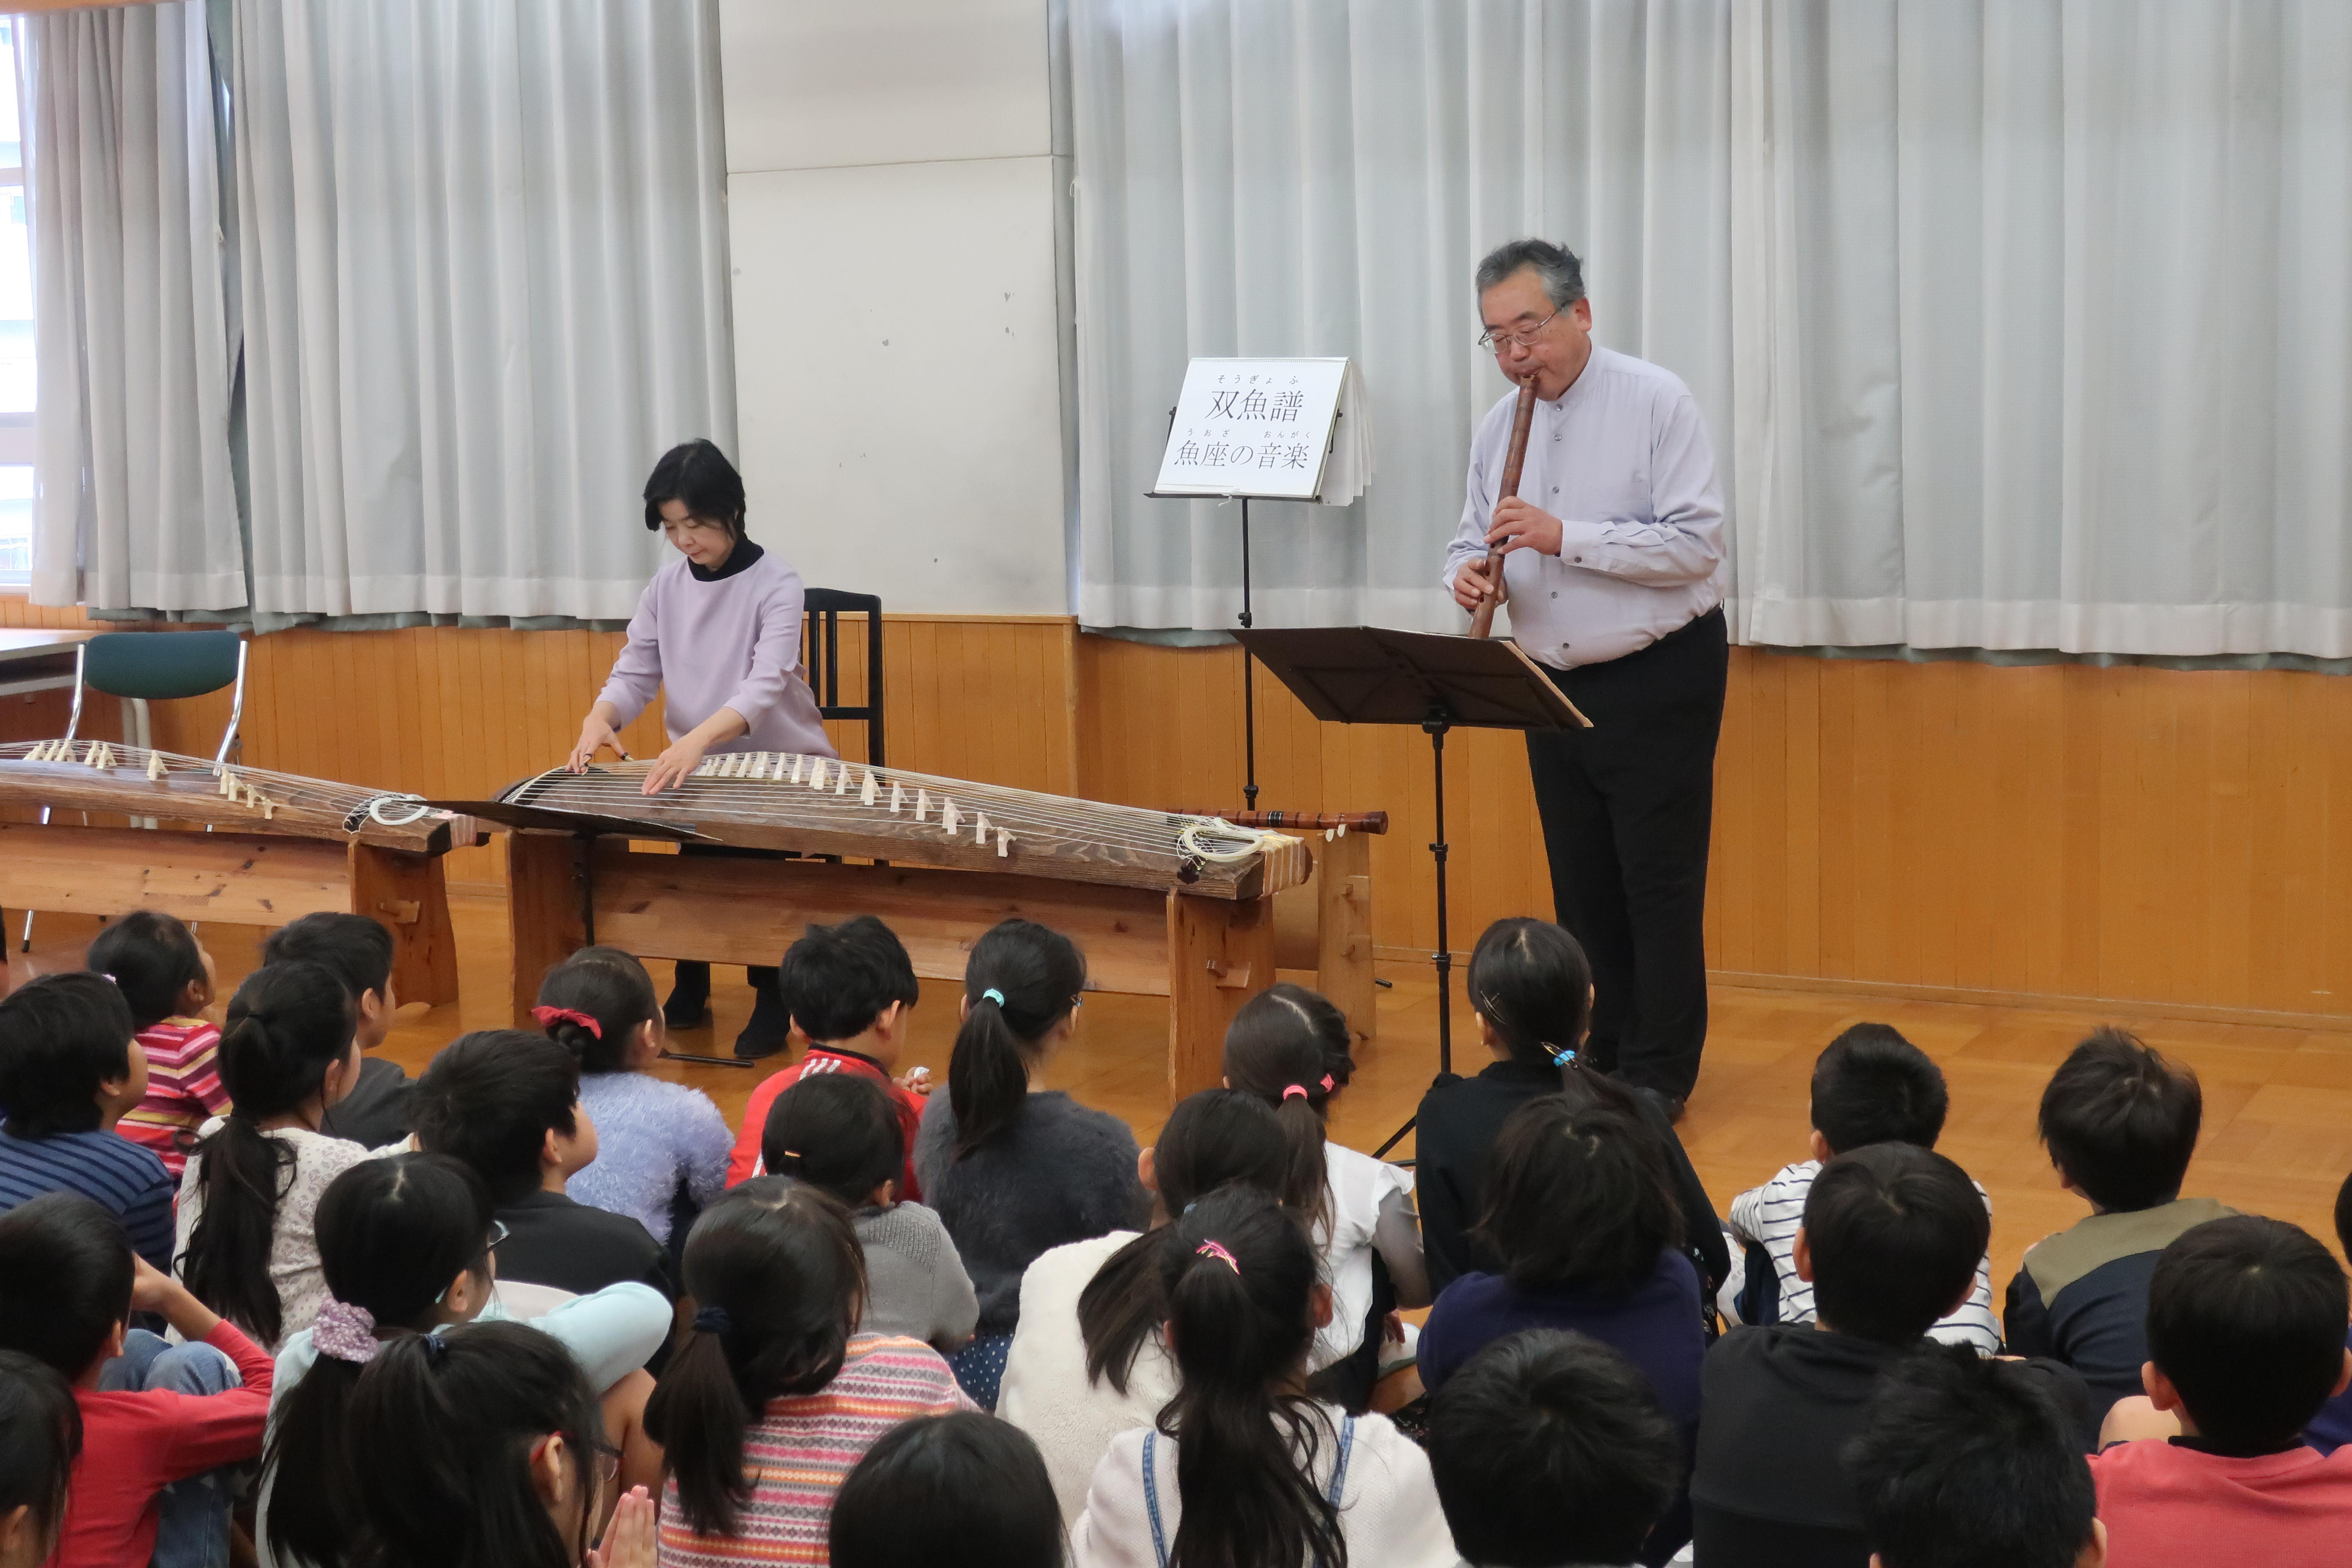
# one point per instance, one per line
(1187, 838)
(376, 813)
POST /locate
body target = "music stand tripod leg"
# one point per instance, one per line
(1436, 725)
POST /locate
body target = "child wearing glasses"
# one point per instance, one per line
(717, 635)
(409, 1248)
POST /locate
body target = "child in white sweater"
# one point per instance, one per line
(1267, 1473)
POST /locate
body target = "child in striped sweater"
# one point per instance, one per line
(776, 1397)
(167, 977)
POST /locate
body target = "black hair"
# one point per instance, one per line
(1873, 1086)
(357, 948)
(1530, 980)
(1548, 1446)
(1239, 1272)
(2344, 1216)
(61, 1037)
(448, 1422)
(1966, 1459)
(64, 1279)
(965, 1489)
(393, 1234)
(490, 1100)
(608, 986)
(1289, 1047)
(782, 1266)
(2121, 1122)
(1213, 1138)
(40, 1438)
(836, 1130)
(2246, 1316)
(1578, 1195)
(837, 979)
(152, 957)
(288, 1023)
(698, 473)
(1895, 1232)
(1022, 980)
(1555, 266)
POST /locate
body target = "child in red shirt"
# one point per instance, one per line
(2245, 1340)
(68, 1283)
(167, 978)
(849, 988)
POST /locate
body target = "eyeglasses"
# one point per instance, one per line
(498, 1233)
(1525, 337)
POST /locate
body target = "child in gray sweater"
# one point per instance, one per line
(840, 1134)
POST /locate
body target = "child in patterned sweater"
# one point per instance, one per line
(166, 976)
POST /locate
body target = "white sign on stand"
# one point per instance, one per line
(1263, 428)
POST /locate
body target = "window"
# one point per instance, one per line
(16, 377)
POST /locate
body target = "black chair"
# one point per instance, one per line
(820, 655)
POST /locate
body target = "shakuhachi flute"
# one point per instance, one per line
(1482, 619)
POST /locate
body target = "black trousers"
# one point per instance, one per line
(1626, 808)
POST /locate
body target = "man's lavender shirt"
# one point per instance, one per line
(728, 639)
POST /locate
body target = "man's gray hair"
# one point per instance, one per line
(1557, 268)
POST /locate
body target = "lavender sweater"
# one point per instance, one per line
(652, 1138)
(732, 639)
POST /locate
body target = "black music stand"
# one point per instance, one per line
(1370, 674)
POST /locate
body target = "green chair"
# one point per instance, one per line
(139, 668)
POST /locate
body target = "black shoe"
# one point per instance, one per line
(689, 1006)
(770, 1029)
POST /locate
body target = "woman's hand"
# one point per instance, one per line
(597, 732)
(629, 1538)
(676, 764)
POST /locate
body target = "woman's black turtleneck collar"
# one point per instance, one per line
(742, 558)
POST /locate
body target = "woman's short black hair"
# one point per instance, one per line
(1548, 1447)
(152, 957)
(2121, 1122)
(965, 1489)
(61, 1036)
(836, 1130)
(1895, 1232)
(2246, 1316)
(490, 1100)
(64, 1279)
(698, 474)
(1578, 1195)
(40, 1438)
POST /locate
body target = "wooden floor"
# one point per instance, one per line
(2278, 1102)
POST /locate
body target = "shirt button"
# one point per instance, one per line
(1555, 593)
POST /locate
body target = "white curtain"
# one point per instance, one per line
(133, 503)
(2018, 323)
(1319, 177)
(484, 286)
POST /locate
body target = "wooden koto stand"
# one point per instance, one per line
(1152, 917)
(259, 849)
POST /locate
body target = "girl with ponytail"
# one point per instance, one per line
(1289, 1047)
(661, 1148)
(1531, 990)
(1087, 1361)
(776, 1396)
(408, 1246)
(485, 1449)
(1243, 1469)
(1013, 1168)
(245, 1242)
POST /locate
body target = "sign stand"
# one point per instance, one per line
(1368, 675)
(1262, 430)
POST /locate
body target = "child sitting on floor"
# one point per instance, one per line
(661, 1148)
(358, 950)
(2245, 1340)
(166, 977)
(69, 1069)
(1871, 1086)
(40, 1438)
(1289, 1047)
(2120, 1122)
(957, 1488)
(2332, 1429)
(840, 1133)
(849, 988)
(775, 1396)
(1244, 1467)
(156, 1419)
(409, 1246)
(1549, 1447)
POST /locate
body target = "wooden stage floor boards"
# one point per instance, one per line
(2278, 1101)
